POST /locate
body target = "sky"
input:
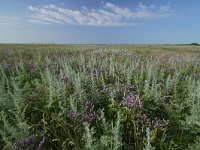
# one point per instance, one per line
(100, 21)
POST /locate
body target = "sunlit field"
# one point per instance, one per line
(99, 97)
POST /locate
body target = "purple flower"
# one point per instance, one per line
(72, 115)
(127, 88)
(27, 142)
(152, 122)
(158, 123)
(107, 89)
(90, 114)
(96, 71)
(40, 144)
(132, 101)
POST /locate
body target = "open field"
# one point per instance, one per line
(93, 97)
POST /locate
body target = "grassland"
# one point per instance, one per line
(93, 97)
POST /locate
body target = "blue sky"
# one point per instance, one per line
(100, 21)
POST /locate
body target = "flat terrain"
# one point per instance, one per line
(97, 97)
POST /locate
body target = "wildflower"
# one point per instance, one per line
(152, 122)
(27, 142)
(72, 115)
(158, 123)
(40, 144)
(132, 101)
(96, 71)
(107, 89)
(90, 114)
(127, 88)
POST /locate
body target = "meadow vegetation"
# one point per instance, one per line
(115, 97)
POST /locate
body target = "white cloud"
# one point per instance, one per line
(109, 15)
(9, 21)
(5, 23)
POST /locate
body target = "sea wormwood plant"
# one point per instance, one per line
(108, 99)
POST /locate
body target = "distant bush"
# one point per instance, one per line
(194, 44)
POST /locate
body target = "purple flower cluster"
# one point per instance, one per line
(40, 144)
(107, 89)
(158, 123)
(127, 88)
(153, 122)
(90, 114)
(132, 101)
(72, 115)
(26, 143)
(96, 71)
(93, 71)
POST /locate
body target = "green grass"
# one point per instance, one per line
(99, 97)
